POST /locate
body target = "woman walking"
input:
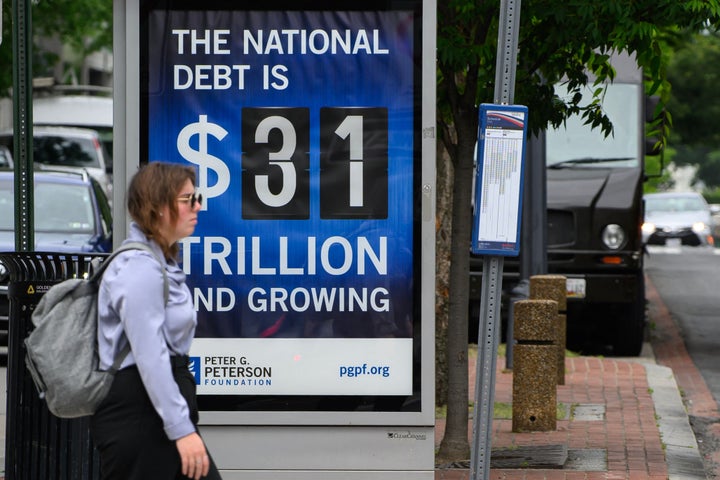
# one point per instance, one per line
(146, 428)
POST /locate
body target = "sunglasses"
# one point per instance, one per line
(192, 198)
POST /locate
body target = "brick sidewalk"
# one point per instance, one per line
(629, 432)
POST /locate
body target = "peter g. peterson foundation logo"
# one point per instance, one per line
(230, 370)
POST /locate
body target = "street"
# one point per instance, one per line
(685, 281)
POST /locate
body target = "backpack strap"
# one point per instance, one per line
(119, 359)
(97, 275)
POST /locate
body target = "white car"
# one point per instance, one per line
(677, 218)
(72, 149)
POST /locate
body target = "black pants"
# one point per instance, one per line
(129, 434)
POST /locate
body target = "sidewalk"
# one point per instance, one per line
(626, 419)
(612, 431)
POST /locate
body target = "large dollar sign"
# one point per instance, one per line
(202, 158)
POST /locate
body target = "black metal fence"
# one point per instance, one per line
(39, 445)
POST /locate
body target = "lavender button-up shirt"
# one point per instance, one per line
(131, 308)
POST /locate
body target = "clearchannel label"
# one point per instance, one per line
(229, 370)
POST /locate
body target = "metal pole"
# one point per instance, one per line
(23, 182)
(488, 335)
(533, 243)
(22, 125)
(535, 215)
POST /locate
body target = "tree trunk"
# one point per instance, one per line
(455, 445)
(442, 274)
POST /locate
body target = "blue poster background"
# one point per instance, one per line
(378, 76)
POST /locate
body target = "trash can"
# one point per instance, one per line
(39, 445)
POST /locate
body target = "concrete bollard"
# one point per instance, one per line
(534, 404)
(554, 287)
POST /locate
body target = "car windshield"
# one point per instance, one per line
(576, 144)
(674, 204)
(65, 151)
(58, 208)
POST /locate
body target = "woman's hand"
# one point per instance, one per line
(194, 458)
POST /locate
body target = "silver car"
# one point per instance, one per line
(70, 149)
(677, 218)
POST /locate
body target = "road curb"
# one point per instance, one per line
(683, 456)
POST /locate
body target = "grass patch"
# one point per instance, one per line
(502, 351)
(502, 411)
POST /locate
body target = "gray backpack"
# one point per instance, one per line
(62, 354)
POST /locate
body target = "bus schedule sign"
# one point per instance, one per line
(499, 179)
(303, 126)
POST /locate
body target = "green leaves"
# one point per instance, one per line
(563, 41)
(85, 25)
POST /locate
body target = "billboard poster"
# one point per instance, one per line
(303, 126)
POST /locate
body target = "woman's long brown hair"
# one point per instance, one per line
(154, 186)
